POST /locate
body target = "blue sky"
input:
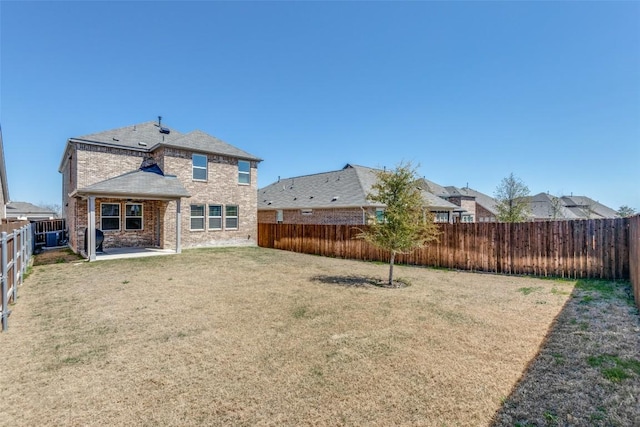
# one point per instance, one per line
(470, 91)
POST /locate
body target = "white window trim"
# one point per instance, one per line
(119, 217)
(194, 167)
(248, 173)
(141, 217)
(210, 216)
(204, 223)
(237, 217)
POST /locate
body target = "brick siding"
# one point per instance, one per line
(88, 164)
(318, 216)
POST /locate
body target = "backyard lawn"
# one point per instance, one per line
(252, 336)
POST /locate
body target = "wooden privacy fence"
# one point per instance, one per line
(16, 242)
(572, 249)
(634, 256)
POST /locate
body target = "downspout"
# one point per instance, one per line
(364, 216)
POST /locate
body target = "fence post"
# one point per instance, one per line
(22, 263)
(5, 313)
(15, 265)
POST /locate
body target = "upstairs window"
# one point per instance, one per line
(199, 167)
(231, 217)
(215, 217)
(110, 216)
(133, 216)
(244, 172)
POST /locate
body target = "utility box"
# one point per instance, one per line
(52, 239)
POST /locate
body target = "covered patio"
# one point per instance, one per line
(140, 214)
(120, 253)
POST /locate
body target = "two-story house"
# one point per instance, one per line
(148, 185)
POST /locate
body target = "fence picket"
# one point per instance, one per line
(572, 249)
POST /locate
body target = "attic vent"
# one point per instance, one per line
(144, 144)
(164, 130)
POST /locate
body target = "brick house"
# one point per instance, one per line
(336, 197)
(131, 183)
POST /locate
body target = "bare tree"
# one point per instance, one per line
(511, 196)
(556, 207)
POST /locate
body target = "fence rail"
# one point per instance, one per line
(15, 251)
(571, 249)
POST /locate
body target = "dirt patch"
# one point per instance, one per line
(361, 281)
(250, 336)
(55, 256)
(588, 371)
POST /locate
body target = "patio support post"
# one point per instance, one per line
(178, 227)
(91, 227)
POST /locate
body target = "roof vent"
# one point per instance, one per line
(334, 198)
(144, 144)
(164, 130)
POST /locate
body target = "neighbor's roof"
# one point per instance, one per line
(26, 208)
(137, 184)
(542, 207)
(147, 137)
(487, 202)
(347, 187)
(585, 207)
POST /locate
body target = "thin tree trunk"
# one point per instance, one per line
(393, 255)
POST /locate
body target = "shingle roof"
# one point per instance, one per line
(147, 137)
(26, 208)
(130, 136)
(542, 207)
(347, 187)
(203, 142)
(585, 207)
(482, 199)
(137, 184)
(433, 188)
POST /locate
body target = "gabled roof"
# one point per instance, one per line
(585, 207)
(131, 136)
(487, 202)
(546, 206)
(433, 188)
(149, 136)
(15, 209)
(205, 143)
(141, 184)
(347, 187)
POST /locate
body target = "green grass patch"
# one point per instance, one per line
(530, 289)
(613, 367)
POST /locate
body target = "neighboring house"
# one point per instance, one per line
(336, 197)
(19, 211)
(4, 185)
(484, 206)
(131, 183)
(545, 207)
(588, 208)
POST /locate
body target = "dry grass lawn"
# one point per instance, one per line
(252, 336)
